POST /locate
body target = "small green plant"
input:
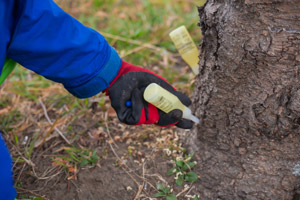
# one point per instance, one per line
(164, 192)
(28, 198)
(37, 198)
(183, 170)
(81, 157)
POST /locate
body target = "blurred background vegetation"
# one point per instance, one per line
(139, 31)
(143, 21)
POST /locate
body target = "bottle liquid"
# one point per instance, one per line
(166, 101)
(186, 47)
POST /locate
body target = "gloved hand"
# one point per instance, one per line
(129, 85)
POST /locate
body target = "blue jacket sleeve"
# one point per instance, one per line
(7, 190)
(50, 42)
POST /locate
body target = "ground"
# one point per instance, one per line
(66, 148)
(131, 161)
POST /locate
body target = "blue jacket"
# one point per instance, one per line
(45, 39)
(7, 190)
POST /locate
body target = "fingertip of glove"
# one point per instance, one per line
(175, 114)
(184, 99)
(185, 124)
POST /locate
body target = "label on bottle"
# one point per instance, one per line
(163, 104)
(183, 41)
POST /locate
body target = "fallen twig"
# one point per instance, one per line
(159, 177)
(31, 192)
(17, 180)
(189, 190)
(50, 122)
(141, 187)
(113, 150)
(184, 190)
(28, 161)
(116, 37)
(134, 50)
(44, 177)
(108, 132)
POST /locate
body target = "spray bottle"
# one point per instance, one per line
(186, 47)
(166, 101)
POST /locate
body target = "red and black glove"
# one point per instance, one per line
(129, 86)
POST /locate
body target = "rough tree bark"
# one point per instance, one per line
(248, 99)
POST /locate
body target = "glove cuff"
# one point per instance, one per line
(153, 115)
(125, 68)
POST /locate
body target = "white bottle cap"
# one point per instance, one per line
(195, 69)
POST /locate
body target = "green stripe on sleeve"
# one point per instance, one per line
(8, 67)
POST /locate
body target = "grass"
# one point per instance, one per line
(138, 29)
(145, 22)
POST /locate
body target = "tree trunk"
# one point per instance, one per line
(248, 99)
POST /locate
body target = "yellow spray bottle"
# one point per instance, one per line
(186, 47)
(166, 101)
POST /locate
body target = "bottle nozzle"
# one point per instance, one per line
(194, 119)
(187, 114)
